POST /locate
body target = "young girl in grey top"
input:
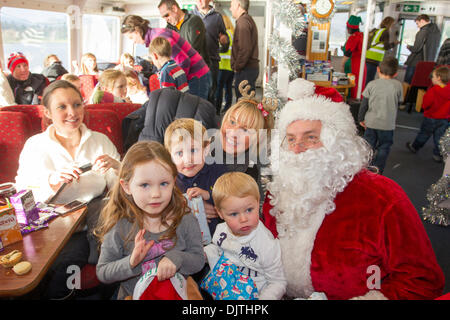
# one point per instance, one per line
(145, 223)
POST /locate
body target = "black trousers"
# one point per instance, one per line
(214, 68)
(249, 74)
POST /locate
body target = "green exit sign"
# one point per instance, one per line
(411, 8)
(188, 7)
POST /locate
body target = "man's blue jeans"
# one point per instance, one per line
(200, 86)
(431, 127)
(381, 142)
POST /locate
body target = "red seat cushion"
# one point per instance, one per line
(15, 129)
(34, 112)
(106, 122)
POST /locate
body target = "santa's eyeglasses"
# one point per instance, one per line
(306, 141)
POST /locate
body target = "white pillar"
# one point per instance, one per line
(369, 18)
(269, 25)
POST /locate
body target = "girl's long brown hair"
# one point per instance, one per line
(122, 206)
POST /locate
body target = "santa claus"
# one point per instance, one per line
(344, 231)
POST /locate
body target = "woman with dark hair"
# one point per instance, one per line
(352, 52)
(51, 161)
(197, 71)
(379, 43)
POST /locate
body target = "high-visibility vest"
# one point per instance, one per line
(376, 50)
(225, 58)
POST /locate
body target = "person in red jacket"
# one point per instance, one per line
(344, 231)
(436, 114)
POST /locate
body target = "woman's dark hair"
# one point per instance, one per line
(58, 84)
(132, 23)
(352, 30)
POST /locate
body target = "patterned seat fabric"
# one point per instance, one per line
(88, 83)
(106, 122)
(121, 109)
(153, 82)
(15, 129)
(35, 114)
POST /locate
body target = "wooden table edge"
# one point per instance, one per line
(33, 284)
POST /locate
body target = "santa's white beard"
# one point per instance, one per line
(303, 190)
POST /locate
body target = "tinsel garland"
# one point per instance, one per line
(289, 13)
(439, 192)
(285, 54)
(444, 144)
(282, 50)
(271, 91)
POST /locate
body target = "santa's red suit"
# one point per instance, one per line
(374, 227)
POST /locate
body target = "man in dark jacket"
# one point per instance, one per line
(426, 45)
(164, 106)
(189, 26)
(244, 53)
(26, 86)
(53, 68)
(215, 34)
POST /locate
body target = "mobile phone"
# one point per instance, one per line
(69, 207)
(86, 167)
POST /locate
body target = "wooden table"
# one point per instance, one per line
(40, 248)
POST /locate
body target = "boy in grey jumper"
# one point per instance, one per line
(378, 110)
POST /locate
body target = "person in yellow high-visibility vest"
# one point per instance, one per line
(226, 74)
(379, 43)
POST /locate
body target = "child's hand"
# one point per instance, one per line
(363, 124)
(166, 269)
(141, 247)
(195, 192)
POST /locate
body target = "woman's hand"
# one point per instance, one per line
(196, 191)
(210, 211)
(66, 175)
(166, 269)
(141, 247)
(104, 163)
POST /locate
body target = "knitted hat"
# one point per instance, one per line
(353, 22)
(14, 59)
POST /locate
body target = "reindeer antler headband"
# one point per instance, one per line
(267, 105)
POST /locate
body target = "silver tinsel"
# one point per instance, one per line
(444, 144)
(289, 13)
(439, 192)
(285, 54)
(271, 91)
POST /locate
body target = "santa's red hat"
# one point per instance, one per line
(15, 59)
(301, 88)
(305, 104)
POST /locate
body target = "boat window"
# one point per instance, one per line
(101, 37)
(36, 34)
(445, 32)
(408, 34)
(338, 33)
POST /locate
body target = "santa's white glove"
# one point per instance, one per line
(371, 295)
(315, 296)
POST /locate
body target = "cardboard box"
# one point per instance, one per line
(25, 207)
(419, 100)
(9, 227)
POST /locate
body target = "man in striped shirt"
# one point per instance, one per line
(169, 73)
